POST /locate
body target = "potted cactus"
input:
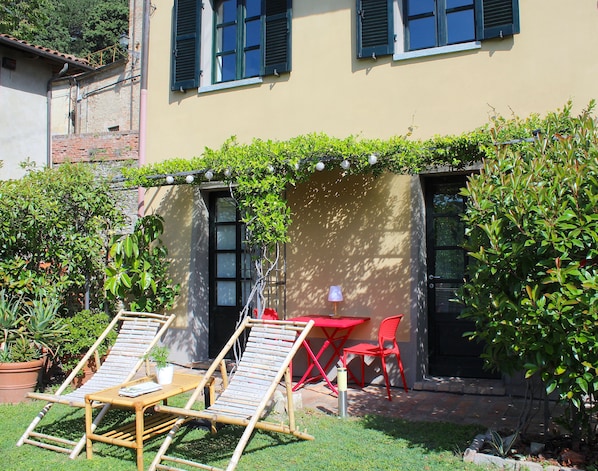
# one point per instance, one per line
(30, 330)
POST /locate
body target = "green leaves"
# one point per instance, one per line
(532, 292)
(137, 272)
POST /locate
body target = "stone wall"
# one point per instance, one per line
(121, 145)
(109, 153)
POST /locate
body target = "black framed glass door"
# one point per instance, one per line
(449, 353)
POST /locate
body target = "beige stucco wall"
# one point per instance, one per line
(365, 235)
(552, 60)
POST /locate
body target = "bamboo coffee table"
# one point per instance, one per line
(132, 435)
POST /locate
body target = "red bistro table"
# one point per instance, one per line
(336, 330)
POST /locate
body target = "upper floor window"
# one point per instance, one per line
(227, 40)
(397, 26)
(430, 23)
(237, 52)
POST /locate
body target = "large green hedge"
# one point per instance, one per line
(532, 219)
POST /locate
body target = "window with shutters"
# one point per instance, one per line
(222, 43)
(415, 28)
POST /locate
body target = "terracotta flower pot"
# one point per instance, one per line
(17, 379)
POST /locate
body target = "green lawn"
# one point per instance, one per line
(372, 443)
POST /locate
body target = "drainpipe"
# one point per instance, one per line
(143, 98)
(65, 67)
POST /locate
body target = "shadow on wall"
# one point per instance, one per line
(186, 220)
(352, 231)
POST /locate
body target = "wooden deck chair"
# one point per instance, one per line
(138, 332)
(270, 348)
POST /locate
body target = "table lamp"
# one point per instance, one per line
(335, 295)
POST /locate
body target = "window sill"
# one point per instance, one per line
(401, 56)
(233, 84)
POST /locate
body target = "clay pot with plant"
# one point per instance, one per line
(30, 331)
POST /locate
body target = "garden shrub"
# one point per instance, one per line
(532, 218)
(54, 230)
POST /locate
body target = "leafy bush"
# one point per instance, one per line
(54, 226)
(137, 274)
(532, 217)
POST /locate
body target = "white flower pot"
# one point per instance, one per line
(165, 374)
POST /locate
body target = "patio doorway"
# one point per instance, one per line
(230, 270)
(449, 353)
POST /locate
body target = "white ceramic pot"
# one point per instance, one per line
(165, 374)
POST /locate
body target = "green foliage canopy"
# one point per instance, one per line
(54, 229)
(532, 219)
(23, 18)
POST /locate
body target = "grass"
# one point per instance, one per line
(371, 443)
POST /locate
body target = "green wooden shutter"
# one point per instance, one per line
(496, 18)
(375, 32)
(185, 51)
(276, 36)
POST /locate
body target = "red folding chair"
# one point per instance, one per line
(387, 345)
(269, 314)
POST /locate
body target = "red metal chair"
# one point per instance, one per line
(387, 345)
(269, 314)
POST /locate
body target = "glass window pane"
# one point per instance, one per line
(226, 238)
(445, 293)
(252, 63)
(226, 294)
(253, 8)
(253, 33)
(449, 231)
(226, 38)
(226, 211)
(246, 265)
(422, 33)
(460, 27)
(227, 11)
(450, 263)
(226, 265)
(448, 204)
(246, 288)
(458, 3)
(417, 7)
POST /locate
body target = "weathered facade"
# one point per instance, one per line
(371, 68)
(26, 75)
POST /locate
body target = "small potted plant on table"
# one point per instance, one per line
(164, 369)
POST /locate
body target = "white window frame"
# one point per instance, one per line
(399, 45)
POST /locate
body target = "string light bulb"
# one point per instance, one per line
(372, 159)
(170, 179)
(209, 175)
(345, 164)
(189, 178)
(320, 166)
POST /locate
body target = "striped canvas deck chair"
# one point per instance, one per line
(138, 332)
(270, 348)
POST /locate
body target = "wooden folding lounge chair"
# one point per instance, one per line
(270, 348)
(137, 334)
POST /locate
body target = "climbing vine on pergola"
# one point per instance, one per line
(259, 172)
